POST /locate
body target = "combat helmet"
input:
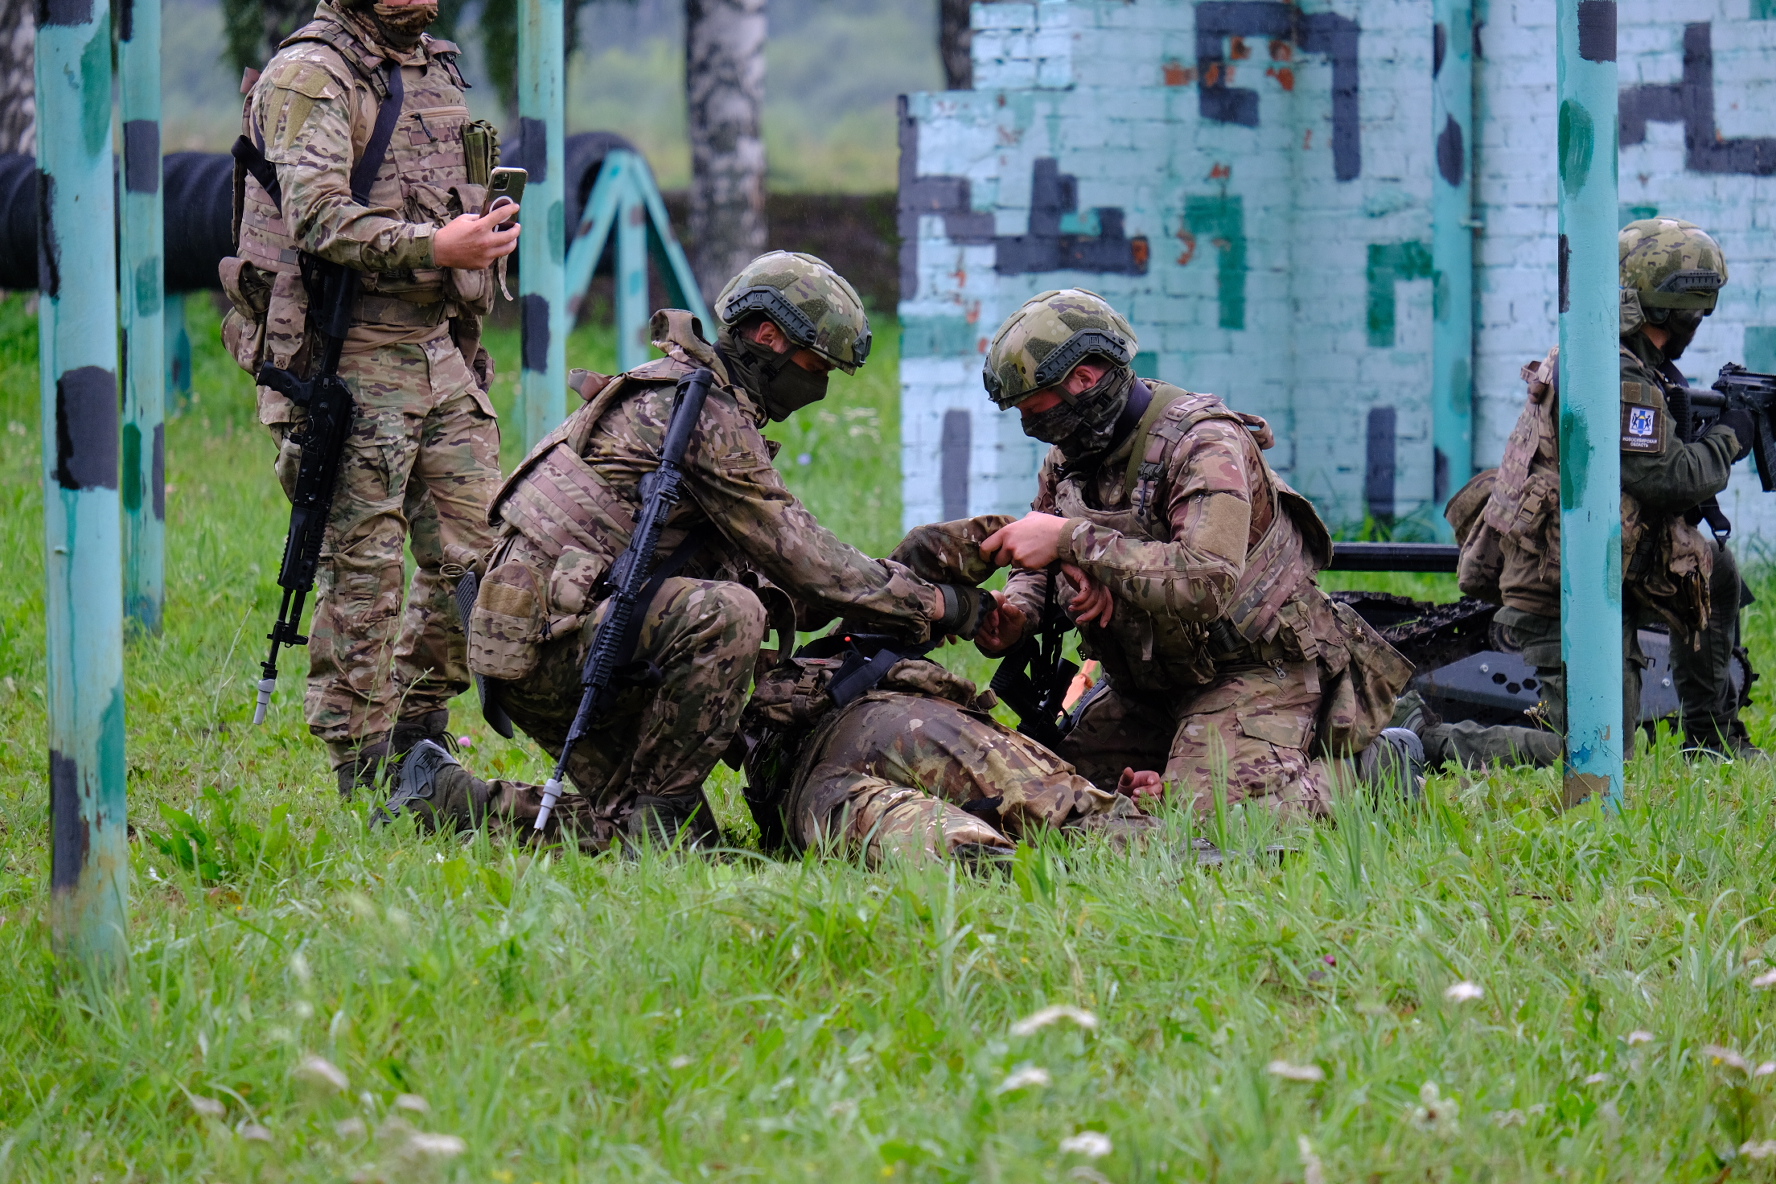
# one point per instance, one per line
(808, 300)
(1040, 343)
(1671, 264)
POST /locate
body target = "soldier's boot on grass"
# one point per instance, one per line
(682, 820)
(436, 791)
(432, 725)
(1726, 739)
(1393, 766)
(365, 768)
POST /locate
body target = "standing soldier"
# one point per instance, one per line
(358, 150)
(734, 553)
(1189, 567)
(1508, 519)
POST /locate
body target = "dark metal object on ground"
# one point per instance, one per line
(1433, 557)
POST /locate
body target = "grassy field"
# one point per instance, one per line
(322, 1002)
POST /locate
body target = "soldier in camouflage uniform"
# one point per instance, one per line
(741, 549)
(1508, 519)
(422, 460)
(914, 767)
(1188, 566)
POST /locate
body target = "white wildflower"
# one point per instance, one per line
(1091, 1144)
(1597, 1079)
(1050, 1015)
(208, 1107)
(1639, 1036)
(252, 1132)
(1435, 1112)
(1727, 1057)
(1290, 1072)
(440, 1146)
(1765, 1069)
(1764, 1150)
(1507, 1118)
(679, 1062)
(320, 1071)
(412, 1102)
(1024, 1077)
(299, 968)
(1464, 992)
(350, 1128)
(1312, 1172)
(1766, 979)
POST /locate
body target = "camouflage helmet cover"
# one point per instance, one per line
(1040, 343)
(1670, 263)
(807, 299)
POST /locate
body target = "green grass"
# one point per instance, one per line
(600, 1019)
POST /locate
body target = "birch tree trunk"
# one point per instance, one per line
(954, 38)
(18, 82)
(724, 101)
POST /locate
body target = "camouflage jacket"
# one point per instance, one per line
(569, 509)
(312, 113)
(1511, 540)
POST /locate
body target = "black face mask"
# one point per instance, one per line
(780, 386)
(1682, 324)
(1087, 426)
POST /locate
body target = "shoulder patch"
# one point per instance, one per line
(304, 76)
(1643, 428)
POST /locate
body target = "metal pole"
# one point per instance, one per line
(141, 291)
(632, 280)
(1452, 250)
(542, 248)
(1590, 400)
(83, 605)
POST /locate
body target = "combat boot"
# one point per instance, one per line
(433, 726)
(437, 791)
(1726, 740)
(367, 768)
(1394, 763)
(670, 821)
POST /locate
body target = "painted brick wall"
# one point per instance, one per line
(1255, 195)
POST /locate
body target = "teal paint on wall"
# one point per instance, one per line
(1636, 213)
(1222, 219)
(1763, 10)
(1760, 344)
(1146, 364)
(925, 337)
(1389, 263)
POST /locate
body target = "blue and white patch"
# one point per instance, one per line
(1642, 429)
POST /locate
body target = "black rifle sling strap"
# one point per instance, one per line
(250, 154)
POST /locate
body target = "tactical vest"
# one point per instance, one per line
(1164, 651)
(436, 168)
(1507, 520)
(564, 525)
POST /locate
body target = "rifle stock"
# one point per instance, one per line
(630, 575)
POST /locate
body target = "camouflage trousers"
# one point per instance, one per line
(420, 466)
(1701, 673)
(653, 745)
(1247, 733)
(919, 776)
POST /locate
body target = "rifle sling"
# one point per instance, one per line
(250, 154)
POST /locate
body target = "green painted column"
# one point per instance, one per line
(1452, 250)
(632, 282)
(141, 299)
(82, 511)
(1590, 401)
(542, 246)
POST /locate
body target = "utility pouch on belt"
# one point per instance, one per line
(506, 624)
(480, 140)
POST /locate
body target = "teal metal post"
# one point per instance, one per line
(1452, 251)
(83, 563)
(178, 354)
(632, 285)
(542, 247)
(141, 299)
(1590, 402)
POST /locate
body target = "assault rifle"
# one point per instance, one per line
(1033, 677)
(634, 578)
(1736, 388)
(328, 402)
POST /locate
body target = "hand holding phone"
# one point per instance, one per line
(505, 185)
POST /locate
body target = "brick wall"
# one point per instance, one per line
(1256, 196)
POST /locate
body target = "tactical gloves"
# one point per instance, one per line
(1740, 421)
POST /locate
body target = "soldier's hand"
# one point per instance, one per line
(474, 241)
(1033, 541)
(1092, 604)
(1000, 628)
(1139, 784)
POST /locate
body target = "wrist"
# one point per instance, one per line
(1064, 545)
